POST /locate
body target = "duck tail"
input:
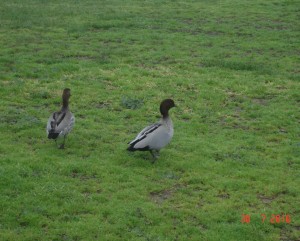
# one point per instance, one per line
(52, 135)
(131, 148)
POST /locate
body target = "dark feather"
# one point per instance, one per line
(52, 135)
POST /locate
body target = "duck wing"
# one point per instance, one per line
(142, 135)
(60, 123)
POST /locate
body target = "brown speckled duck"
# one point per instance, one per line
(60, 123)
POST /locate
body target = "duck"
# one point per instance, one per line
(156, 136)
(61, 122)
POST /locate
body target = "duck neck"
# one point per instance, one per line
(65, 104)
(164, 112)
(165, 116)
(167, 121)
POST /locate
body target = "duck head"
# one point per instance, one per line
(165, 106)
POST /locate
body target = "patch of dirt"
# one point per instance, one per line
(265, 199)
(81, 176)
(185, 119)
(234, 97)
(213, 33)
(200, 204)
(281, 87)
(285, 235)
(283, 130)
(197, 31)
(297, 227)
(238, 126)
(79, 57)
(260, 101)
(162, 195)
(234, 120)
(228, 156)
(202, 227)
(102, 105)
(196, 222)
(223, 196)
(81, 116)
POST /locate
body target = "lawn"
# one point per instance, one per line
(232, 68)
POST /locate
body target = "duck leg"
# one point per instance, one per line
(56, 143)
(62, 146)
(155, 156)
(151, 151)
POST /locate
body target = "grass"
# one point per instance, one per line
(231, 66)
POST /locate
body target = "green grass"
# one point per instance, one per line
(232, 68)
